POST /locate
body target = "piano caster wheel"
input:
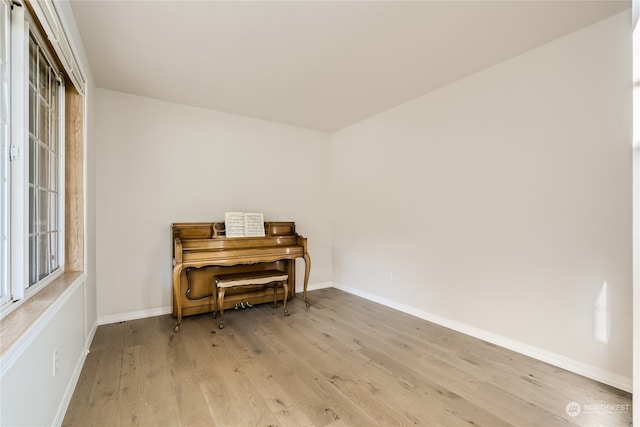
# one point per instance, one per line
(176, 328)
(306, 302)
(286, 313)
(221, 325)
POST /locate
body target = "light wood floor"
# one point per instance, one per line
(345, 361)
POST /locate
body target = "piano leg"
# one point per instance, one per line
(221, 306)
(286, 293)
(214, 295)
(307, 268)
(275, 295)
(176, 296)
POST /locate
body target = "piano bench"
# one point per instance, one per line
(275, 278)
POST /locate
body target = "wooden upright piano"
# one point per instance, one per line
(201, 250)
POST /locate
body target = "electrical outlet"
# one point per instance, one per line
(56, 357)
(389, 277)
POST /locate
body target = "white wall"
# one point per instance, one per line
(91, 299)
(30, 394)
(160, 162)
(502, 203)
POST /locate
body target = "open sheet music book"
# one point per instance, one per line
(241, 224)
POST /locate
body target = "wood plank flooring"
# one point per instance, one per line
(344, 361)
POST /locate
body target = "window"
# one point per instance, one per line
(44, 165)
(4, 150)
(32, 157)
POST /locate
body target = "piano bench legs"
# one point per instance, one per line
(274, 278)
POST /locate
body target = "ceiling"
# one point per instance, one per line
(321, 65)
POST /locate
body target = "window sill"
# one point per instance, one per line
(15, 325)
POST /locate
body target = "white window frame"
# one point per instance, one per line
(5, 117)
(44, 186)
(22, 26)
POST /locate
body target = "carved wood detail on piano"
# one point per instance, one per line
(202, 250)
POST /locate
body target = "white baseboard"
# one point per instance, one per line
(580, 368)
(134, 315)
(315, 286)
(90, 335)
(66, 399)
(68, 394)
